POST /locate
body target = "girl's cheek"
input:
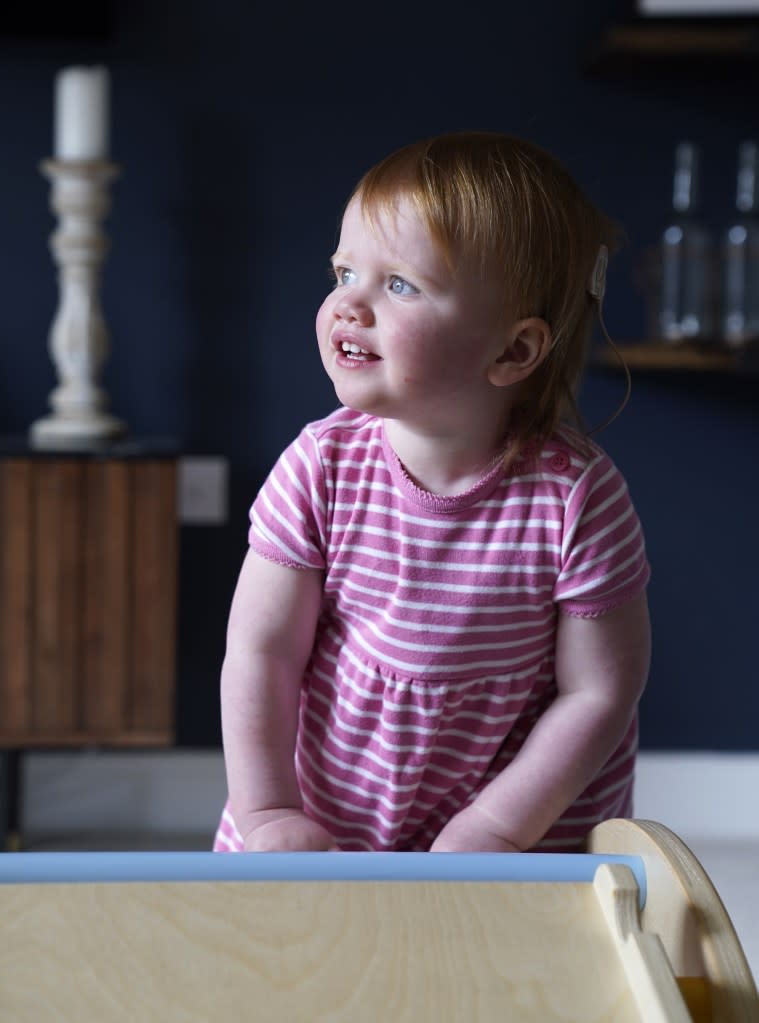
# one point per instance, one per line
(323, 318)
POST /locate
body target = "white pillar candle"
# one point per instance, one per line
(81, 114)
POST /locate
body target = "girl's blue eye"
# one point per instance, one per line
(343, 275)
(400, 287)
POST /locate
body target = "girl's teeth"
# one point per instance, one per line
(351, 346)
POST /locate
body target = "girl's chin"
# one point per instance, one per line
(351, 397)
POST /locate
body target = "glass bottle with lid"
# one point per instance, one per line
(686, 301)
(740, 309)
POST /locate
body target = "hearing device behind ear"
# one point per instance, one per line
(597, 283)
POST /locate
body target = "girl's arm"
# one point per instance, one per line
(270, 634)
(601, 670)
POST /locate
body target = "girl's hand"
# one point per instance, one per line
(287, 830)
(472, 830)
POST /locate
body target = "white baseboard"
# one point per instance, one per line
(706, 795)
(176, 791)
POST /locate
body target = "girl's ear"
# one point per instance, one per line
(528, 343)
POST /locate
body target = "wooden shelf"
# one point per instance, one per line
(674, 45)
(678, 356)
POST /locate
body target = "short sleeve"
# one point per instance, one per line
(287, 518)
(603, 555)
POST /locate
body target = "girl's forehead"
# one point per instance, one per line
(394, 233)
(396, 225)
(388, 218)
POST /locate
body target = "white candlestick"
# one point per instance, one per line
(81, 114)
(79, 337)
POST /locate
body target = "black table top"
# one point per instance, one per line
(20, 446)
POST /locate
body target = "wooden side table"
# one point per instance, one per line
(88, 596)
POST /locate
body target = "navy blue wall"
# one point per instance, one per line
(240, 132)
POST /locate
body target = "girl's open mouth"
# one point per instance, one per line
(355, 352)
(350, 351)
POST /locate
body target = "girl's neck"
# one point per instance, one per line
(444, 465)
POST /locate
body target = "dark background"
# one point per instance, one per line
(240, 129)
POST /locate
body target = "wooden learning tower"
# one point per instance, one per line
(632, 929)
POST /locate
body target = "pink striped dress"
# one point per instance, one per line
(434, 653)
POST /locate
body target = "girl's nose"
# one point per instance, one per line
(353, 308)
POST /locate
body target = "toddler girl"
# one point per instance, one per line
(439, 636)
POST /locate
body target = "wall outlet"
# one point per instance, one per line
(203, 490)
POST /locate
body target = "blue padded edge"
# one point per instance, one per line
(97, 867)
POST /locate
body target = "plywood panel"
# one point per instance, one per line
(685, 910)
(303, 952)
